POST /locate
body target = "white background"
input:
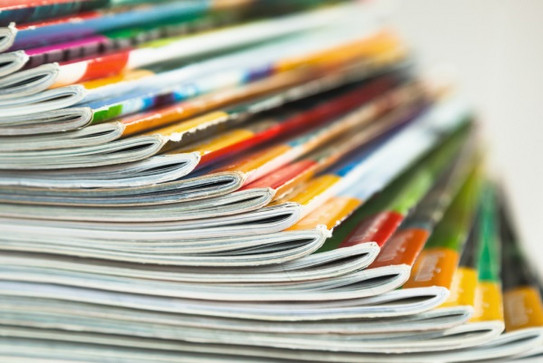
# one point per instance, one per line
(496, 48)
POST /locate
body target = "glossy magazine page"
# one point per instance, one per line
(246, 181)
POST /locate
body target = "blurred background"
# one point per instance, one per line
(495, 48)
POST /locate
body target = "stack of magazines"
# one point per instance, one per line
(245, 181)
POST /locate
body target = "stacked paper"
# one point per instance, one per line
(244, 181)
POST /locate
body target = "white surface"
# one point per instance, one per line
(496, 48)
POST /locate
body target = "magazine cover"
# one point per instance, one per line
(260, 181)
